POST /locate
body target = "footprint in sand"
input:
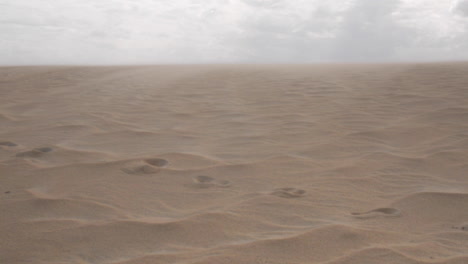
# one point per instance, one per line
(461, 227)
(203, 181)
(44, 149)
(151, 166)
(35, 153)
(288, 192)
(8, 144)
(141, 169)
(387, 212)
(157, 162)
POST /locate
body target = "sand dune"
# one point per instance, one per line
(330, 164)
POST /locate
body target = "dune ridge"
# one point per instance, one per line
(267, 164)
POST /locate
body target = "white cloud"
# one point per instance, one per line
(179, 31)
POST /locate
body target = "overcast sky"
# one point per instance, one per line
(206, 31)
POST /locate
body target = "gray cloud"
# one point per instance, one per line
(462, 7)
(191, 31)
(371, 32)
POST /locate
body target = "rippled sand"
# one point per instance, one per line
(332, 164)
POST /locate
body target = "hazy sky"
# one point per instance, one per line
(204, 31)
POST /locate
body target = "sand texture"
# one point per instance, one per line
(267, 164)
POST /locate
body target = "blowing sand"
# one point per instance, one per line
(332, 164)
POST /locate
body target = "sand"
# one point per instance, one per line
(270, 164)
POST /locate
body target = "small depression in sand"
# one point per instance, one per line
(147, 166)
(288, 192)
(203, 181)
(35, 153)
(390, 212)
(8, 144)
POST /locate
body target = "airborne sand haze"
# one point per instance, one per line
(342, 164)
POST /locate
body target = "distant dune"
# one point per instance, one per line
(267, 164)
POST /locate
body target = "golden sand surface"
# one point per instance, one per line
(267, 164)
